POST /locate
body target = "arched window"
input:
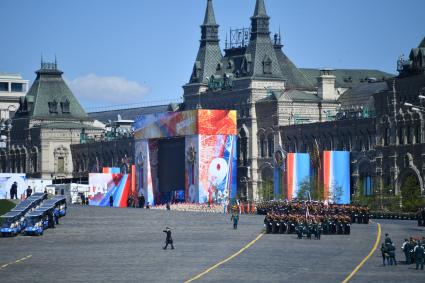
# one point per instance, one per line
(386, 137)
(360, 146)
(417, 134)
(34, 160)
(262, 145)
(270, 145)
(400, 136)
(243, 147)
(366, 142)
(267, 183)
(409, 136)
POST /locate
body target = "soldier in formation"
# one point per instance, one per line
(308, 225)
(357, 214)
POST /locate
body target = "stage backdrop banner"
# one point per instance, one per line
(111, 170)
(217, 168)
(298, 171)
(6, 181)
(216, 122)
(336, 176)
(185, 123)
(104, 185)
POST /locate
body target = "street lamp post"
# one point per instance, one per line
(6, 125)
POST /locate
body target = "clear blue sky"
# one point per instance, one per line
(132, 51)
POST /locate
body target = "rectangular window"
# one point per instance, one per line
(4, 86)
(400, 136)
(61, 165)
(417, 135)
(367, 185)
(17, 87)
(386, 136)
(409, 135)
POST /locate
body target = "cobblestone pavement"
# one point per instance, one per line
(111, 244)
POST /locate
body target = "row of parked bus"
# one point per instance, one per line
(33, 215)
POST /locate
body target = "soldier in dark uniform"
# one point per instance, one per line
(267, 223)
(51, 219)
(423, 216)
(168, 239)
(419, 217)
(388, 239)
(391, 253)
(309, 230)
(299, 230)
(235, 218)
(14, 191)
(275, 226)
(384, 253)
(419, 255)
(29, 191)
(141, 201)
(406, 248)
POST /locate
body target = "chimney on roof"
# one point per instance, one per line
(326, 82)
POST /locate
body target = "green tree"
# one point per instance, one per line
(304, 189)
(411, 194)
(266, 192)
(336, 193)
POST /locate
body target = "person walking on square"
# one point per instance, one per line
(384, 254)
(391, 253)
(111, 201)
(168, 239)
(388, 239)
(419, 255)
(14, 191)
(235, 219)
(141, 201)
(29, 191)
(406, 248)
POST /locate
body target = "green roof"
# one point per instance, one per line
(347, 78)
(50, 97)
(66, 125)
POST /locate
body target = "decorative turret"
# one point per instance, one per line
(260, 21)
(209, 54)
(326, 81)
(260, 51)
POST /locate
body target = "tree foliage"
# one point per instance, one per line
(411, 194)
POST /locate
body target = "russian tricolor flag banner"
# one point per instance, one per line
(298, 171)
(336, 176)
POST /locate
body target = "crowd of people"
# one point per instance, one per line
(308, 218)
(413, 249)
(192, 207)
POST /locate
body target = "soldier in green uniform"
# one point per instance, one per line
(235, 218)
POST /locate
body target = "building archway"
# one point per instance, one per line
(366, 178)
(410, 191)
(267, 182)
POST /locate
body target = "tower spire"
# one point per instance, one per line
(209, 53)
(209, 15)
(260, 9)
(209, 28)
(260, 20)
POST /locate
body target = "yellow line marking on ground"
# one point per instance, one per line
(375, 246)
(16, 261)
(225, 260)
